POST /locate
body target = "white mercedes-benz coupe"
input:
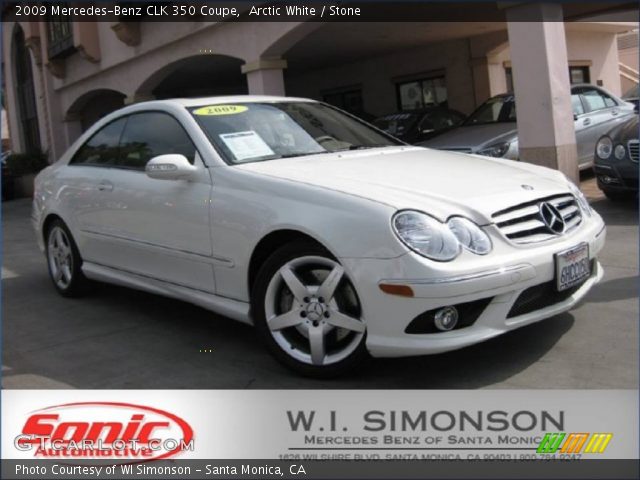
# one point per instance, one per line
(334, 239)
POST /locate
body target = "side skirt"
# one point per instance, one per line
(228, 307)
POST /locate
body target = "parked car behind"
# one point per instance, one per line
(414, 126)
(491, 130)
(616, 161)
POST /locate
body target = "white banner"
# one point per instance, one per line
(133, 425)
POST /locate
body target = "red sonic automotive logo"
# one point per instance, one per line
(105, 430)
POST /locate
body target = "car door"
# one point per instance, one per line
(582, 124)
(157, 228)
(85, 191)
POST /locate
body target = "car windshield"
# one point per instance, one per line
(251, 132)
(397, 124)
(495, 110)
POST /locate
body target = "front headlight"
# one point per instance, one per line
(582, 200)
(496, 150)
(470, 235)
(426, 235)
(604, 147)
(439, 241)
(619, 152)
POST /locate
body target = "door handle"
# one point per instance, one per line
(105, 186)
(615, 111)
(586, 121)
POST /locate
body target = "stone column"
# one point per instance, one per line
(265, 76)
(546, 132)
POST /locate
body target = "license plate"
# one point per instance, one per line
(572, 267)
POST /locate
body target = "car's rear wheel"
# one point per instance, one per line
(64, 261)
(308, 312)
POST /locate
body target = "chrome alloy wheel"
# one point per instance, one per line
(60, 258)
(313, 312)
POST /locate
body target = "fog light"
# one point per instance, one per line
(446, 318)
(606, 179)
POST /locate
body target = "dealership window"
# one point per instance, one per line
(577, 75)
(347, 100)
(422, 93)
(59, 35)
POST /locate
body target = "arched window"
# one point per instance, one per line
(26, 98)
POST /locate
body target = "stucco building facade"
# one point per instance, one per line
(60, 77)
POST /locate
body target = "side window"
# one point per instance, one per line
(576, 104)
(593, 99)
(608, 101)
(102, 148)
(150, 134)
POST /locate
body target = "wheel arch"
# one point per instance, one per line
(272, 241)
(46, 224)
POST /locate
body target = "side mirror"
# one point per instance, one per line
(172, 166)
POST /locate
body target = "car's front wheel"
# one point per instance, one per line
(308, 312)
(64, 261)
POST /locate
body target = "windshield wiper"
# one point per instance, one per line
(361, 147)
(301, 154)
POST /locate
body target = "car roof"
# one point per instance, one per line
(219, 100)
(418, 111)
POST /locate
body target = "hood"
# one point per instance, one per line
(625, 131)
(474, 137)
(437, 182)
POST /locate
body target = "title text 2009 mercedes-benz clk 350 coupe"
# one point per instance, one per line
(334, 239)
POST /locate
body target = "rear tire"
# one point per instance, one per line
(64, 261)
(308, 313)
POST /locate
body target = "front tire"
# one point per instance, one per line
(307, 311)
(64, 261)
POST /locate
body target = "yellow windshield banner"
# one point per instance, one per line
(220, 110)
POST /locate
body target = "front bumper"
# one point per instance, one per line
(502, 276)
(621, 176)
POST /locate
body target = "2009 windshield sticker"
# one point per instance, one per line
(211, 110)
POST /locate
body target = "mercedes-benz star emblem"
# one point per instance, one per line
(314, 311)
(552, 218)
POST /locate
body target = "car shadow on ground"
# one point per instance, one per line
(618, 213)
(168, 344)
(622, 288)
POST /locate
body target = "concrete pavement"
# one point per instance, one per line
(120, 338)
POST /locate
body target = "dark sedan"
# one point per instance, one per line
(616, 161)
(414, 126)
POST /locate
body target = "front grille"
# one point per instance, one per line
(632, 145)
(543, 296)
(468, 313)
(523, 223)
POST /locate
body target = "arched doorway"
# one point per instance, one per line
(93, 105)
(25, 93)
(200, 75)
